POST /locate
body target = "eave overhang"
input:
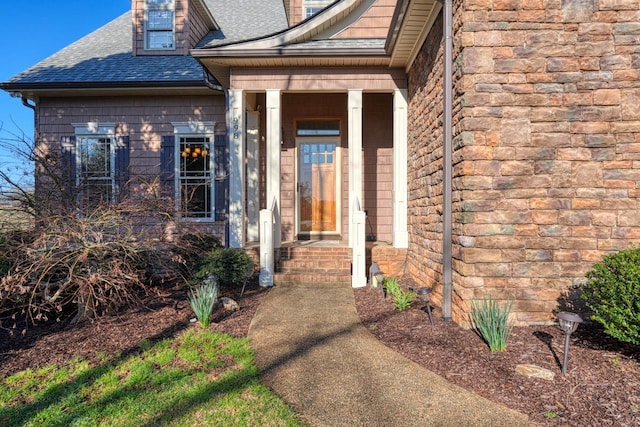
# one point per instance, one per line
(72, 89)
(206, 14)
(410, 26)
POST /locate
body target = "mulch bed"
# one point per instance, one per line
(162, 316)
(601, 387)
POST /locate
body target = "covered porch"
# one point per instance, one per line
(317, 165)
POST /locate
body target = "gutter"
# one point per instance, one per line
(212, 84)
(447, 261)
(100, 85)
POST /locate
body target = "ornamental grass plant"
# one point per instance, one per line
(492, 322)
(401, 299)
(203, 300)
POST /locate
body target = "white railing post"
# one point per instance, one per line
(359, 273)
(267, 265)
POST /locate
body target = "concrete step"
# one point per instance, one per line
(311, 279)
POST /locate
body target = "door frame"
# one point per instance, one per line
(331, 139)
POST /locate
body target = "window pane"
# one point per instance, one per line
(195, 177)
(318, 127)
(159, 2)
(160, 20)
(161, 40)
(95, 157)
(95, 176)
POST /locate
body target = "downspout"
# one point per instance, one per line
(25, 102)
(210, 84)
(447, 269)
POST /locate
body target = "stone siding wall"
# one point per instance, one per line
(551, 146)
(424, 171)
(546, 154)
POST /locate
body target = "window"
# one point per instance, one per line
(195, 176)
(311, 7)
(95, 169)
(97, 163)
(318, 128)
(159, 24)
(194, 169)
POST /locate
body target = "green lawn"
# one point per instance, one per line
(198, 378)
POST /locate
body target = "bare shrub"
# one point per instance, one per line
(88, 264)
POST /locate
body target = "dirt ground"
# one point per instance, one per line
(601, 387)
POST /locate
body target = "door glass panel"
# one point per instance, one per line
(317, 187)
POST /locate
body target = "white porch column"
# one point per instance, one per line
(357, 218)
(236, 135)
(355, 157)
(252, 178)
(400, 136)
(274, 138)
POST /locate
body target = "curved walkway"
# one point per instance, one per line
(314, 352)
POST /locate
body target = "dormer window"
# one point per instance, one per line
(160, 25)
(311, 7)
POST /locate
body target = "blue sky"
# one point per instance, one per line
(31, 31)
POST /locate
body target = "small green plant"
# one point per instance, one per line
(203, 300)
(401, 299)
(613, 294)
(391, 285)
(492, 322)
(551, 414)
(229, 266)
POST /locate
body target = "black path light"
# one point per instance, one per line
(568, 323)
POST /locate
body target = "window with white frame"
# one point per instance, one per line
(95, 168)
(160, 25)
(95, 163)
(311, 7)
(194, 180)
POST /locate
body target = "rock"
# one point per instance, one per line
(533, 371)
(229, 305)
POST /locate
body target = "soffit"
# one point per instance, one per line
(205, 13)
(411, 25)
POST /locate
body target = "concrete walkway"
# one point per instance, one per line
(315, 353)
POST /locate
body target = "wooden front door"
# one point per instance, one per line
(318, 189)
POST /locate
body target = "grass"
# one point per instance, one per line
(197, 378)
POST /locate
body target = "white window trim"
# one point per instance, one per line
(147, 7)
(311, 4)
(96, 130)
(199, 130)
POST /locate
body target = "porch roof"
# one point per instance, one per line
(310, 43)
(412, 22)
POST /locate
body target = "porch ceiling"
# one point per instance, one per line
(410, 26)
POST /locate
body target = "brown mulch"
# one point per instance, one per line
(161, 317)
(601, 387)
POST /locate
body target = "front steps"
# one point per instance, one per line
(314, 264)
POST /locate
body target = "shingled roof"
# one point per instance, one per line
(105, 58)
